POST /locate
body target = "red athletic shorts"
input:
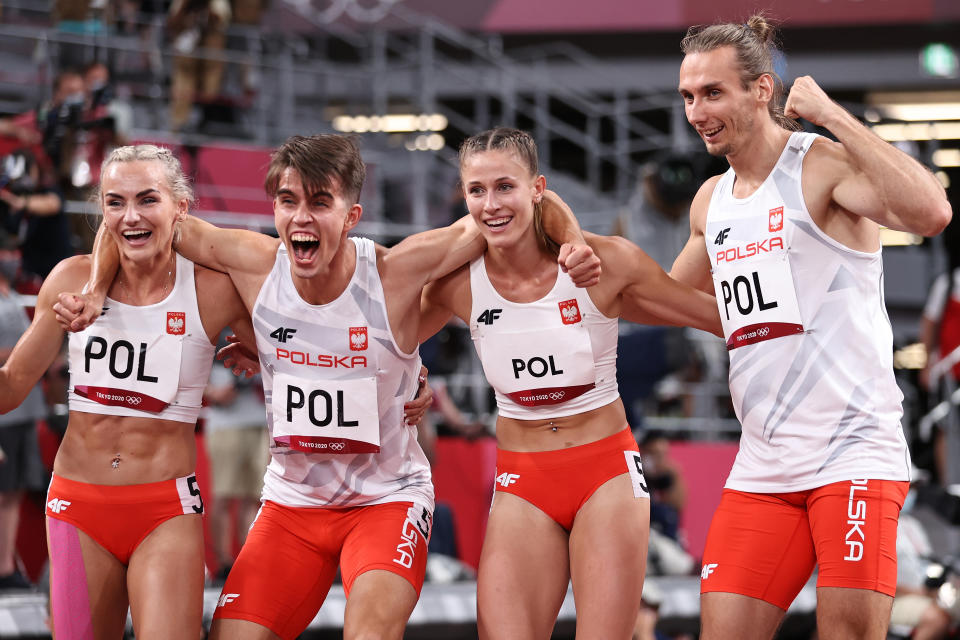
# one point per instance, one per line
(766, 545)
(290, 557)
(119, 517)
(559, 482)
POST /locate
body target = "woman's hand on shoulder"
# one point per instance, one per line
(581, 263)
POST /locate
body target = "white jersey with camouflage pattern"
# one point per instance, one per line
(810, 343)
(335, 383)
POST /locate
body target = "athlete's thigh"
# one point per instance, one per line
(165, 580)
(283, 572)
(524, 571)
(234, 629)
(379, 605)
(852, 614)
(88, 592)
(732, 615)
(608, 559)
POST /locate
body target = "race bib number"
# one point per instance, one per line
(635, 469)
(757, 300)
(535, 368)
(326, 416)
(135, 370)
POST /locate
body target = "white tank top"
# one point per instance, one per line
(144, 362)
(546, 359)
(335, 382)
(810, 343)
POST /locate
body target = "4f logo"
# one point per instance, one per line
(722, 236)
(506, 479)
(707, 570)
(283, 334)
(176, 323)
(227, 598)
(57, 505)
(489, 315)
(569, 312)
(358, 338)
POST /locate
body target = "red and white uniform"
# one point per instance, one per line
(149, 361)
(811, 347)
(546, 359)
(335, 382)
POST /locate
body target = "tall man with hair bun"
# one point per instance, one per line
(788, 240)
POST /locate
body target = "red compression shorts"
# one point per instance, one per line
(290, 557)
(766, 545)
(119, 517)
(559, 482)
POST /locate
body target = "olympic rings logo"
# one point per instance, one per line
(763, 332)
(337, 446)
(134, 400)
(557, 395)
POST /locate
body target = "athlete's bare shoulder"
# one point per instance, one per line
(70, 274)
(827, 155)
(701, 204)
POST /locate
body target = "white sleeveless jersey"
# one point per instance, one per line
(546, 359)
(810, 343)
(335, 382)
(148, 361)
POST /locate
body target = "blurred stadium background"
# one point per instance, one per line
(594, 82)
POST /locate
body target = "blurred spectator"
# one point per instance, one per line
(24, 135)
(106, 123)
(80, 18)
(195, 25)
(668, 491)
(21, 469)
(656, 217)
(940, 334)
(59, 121)
(33, 213)
(668, 496)
(235, 432)
(247, 15)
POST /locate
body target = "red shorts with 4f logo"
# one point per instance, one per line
(765, 545)
(559, 482)
(290, 557)
(119, 517)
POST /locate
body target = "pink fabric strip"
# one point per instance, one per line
(70, 598)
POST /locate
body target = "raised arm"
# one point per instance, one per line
(40, 343)
(870, 177)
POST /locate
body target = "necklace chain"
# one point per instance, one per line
(163, 292)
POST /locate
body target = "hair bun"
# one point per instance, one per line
(763, 29)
